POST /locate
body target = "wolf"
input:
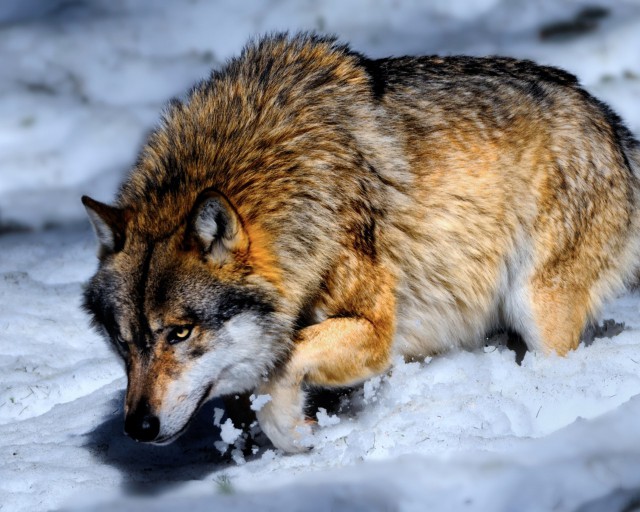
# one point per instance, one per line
(307, 214)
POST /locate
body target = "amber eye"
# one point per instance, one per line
(178, 334)
(121, 343)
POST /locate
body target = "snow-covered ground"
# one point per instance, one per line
(81, 83)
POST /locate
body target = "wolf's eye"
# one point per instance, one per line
(121, 343)
(179, 334)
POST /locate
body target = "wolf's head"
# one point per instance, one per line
(224, 232)
(194, 314)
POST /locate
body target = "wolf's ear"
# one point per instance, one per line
(108, 223)
(216, 226)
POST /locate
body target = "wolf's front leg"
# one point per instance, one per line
(340, 351)
(282, 418)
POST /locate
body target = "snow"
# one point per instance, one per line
(325, 419)
(259, 401)
(80, 84)
(228, 433)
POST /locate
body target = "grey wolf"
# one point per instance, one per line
(306, 213)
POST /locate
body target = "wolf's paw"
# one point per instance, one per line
(288, 437)
(282, 420)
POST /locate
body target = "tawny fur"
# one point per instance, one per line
(398, 206)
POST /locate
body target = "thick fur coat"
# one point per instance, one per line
(306, 213)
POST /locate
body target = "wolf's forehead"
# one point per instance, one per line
(120, 281)
(119, 292)
(151, 280)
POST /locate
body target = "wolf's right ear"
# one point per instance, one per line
(216, 227)
(108, 223)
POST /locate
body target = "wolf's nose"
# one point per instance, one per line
(141, 425)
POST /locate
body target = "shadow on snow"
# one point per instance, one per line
(148, 469)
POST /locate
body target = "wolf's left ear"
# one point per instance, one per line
(216, 226)
(108, 223)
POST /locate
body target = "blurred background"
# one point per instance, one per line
(82, 81)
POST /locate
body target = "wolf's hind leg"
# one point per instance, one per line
(560, 312)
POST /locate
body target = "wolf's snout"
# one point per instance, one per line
(141, 425)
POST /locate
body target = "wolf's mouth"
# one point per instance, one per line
(203, 398)
(169, 439)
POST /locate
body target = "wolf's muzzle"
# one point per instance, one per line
(141, 425)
